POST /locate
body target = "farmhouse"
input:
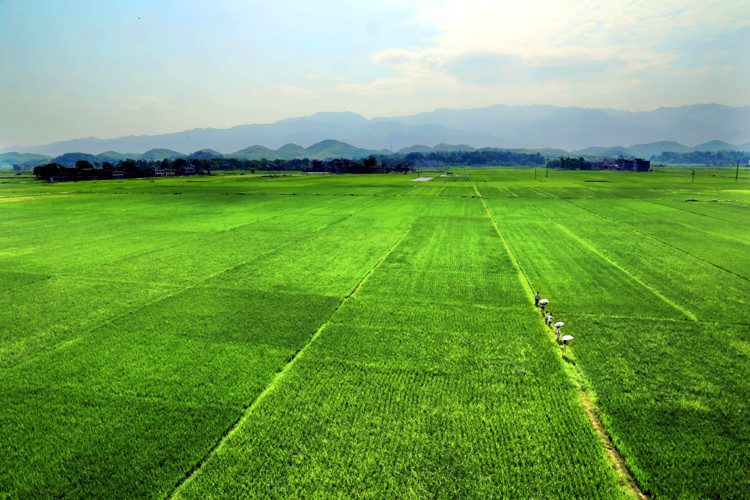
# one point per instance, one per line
(635, 165)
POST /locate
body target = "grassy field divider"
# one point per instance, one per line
(586, 395)
(614, 264)
(278, 377)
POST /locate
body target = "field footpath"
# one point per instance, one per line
(585, 395)
(279, 375)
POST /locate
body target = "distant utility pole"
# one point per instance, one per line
(535, 172)
(692, 181)
(737, 174)
(547, 174)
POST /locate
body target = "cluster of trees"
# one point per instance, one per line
(569, 163)
(127, 169)
(130, 169)
(88, 170)
(367, 165)
(704, 157)
(500, 157)
(370, 164)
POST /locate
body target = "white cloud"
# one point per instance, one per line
(293, 91)
(145, 103)
(535, 48)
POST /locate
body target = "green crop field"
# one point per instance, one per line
(362, 336)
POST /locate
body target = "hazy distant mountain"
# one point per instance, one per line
(605, 152)
(512, 127)
(7, 160)
(693, 124)
(338, 149)
(655, 148)
(718, 146)
(577, 128)
(417, 148)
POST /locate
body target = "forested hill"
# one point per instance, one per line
(704, 157)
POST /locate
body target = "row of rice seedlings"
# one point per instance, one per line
(578, 278)
(331, 261)
(43, 313)
(349, 424)
(669, 390)
(452, 287)
(459, 191)
(727, 212)
(424, 189)
(721, 243)
(205, 350)
(200, 258)
(76, 444)
(708, 292)
(415, 399)
(674, 400)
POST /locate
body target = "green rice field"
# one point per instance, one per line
(370, 337)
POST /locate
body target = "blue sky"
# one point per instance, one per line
(75, 69)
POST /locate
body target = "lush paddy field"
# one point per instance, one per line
(373, 337)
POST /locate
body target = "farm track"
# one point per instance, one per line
(578, 378)
(176, 293)
(281, 373)
(659, 240)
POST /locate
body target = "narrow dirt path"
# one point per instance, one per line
(588, 403)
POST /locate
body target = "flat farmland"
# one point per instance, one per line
(365, 336)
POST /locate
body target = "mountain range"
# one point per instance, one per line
(337, 149)
(510, 127)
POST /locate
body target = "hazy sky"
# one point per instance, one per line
(75, 68)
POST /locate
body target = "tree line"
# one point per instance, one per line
(704, 157)
(88, 170)
(500, 157)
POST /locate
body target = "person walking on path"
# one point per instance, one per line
(557, 333)
(549, 319)
(536, 299)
